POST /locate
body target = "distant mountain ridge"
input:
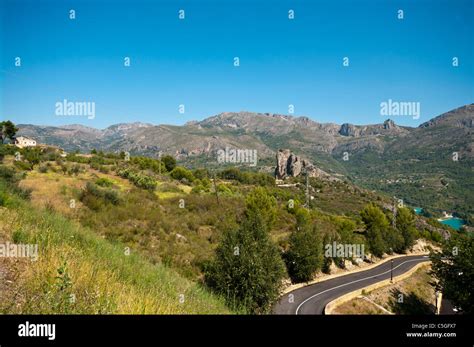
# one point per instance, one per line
(397, 159)
(129, 136)
(265, 132)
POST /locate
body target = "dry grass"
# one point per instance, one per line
(78, 272)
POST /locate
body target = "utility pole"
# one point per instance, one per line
(307, 189)
(215, 187)
(394, 220)
(159, 158)
(391, 271)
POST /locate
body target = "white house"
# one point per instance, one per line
(22, 142)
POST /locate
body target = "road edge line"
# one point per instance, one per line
(339, 274)
(329, 308)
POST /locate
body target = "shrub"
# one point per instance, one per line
(145, 163)
(94, 197)
(32, 155)
(180, 173)
(8, 174)
(104, 182)
(43, 169)
(141, 181)
(224, 189)
(198, 189)
(201, 173)
(23, 165)
(104, 169)
(4, 199)
(170, 162)
(254, 178)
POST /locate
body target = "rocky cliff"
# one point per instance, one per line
(290, 165)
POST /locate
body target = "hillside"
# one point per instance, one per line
(420, 159)
(78, 272)
(420, 168)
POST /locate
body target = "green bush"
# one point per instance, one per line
(145, 163)
(198, 189)
(23, 165)
(224, 189)
(4, 199)
(43, 169)
(141, 181)
(169, 162)
(95, 197)
(104, 182)
(180, 173)
(254, 178)
(248, 269)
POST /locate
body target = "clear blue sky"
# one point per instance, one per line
(190, 62)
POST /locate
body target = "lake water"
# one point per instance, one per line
(455, 223)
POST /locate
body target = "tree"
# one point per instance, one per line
(7, 131)
(454, 269)
(304, 256)
(259, 204)
(394, 241)
(406, 225)
(170, 162)
(248, 269)
(32, 155)
(305, 253)
(376, 228)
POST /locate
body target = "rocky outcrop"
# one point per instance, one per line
(290, 165)
(347, 130)
(389, 124)
(388, 127)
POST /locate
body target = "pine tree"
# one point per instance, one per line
(406, 226)
(248, 269)
(377, 226)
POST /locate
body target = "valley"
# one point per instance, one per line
(430, 166)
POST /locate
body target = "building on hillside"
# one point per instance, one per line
(23, 141)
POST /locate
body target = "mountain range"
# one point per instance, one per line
(435, 158)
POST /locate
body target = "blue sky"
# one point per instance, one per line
(190, 61)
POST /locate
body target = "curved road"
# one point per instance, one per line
(313, 298)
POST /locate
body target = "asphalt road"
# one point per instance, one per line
(313, 299)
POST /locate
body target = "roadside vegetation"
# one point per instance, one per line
(414, 295)
(190, 232)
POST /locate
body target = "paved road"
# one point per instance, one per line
(313, 298)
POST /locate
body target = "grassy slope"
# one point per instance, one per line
(94, 272)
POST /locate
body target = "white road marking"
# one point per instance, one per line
(346, 284)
